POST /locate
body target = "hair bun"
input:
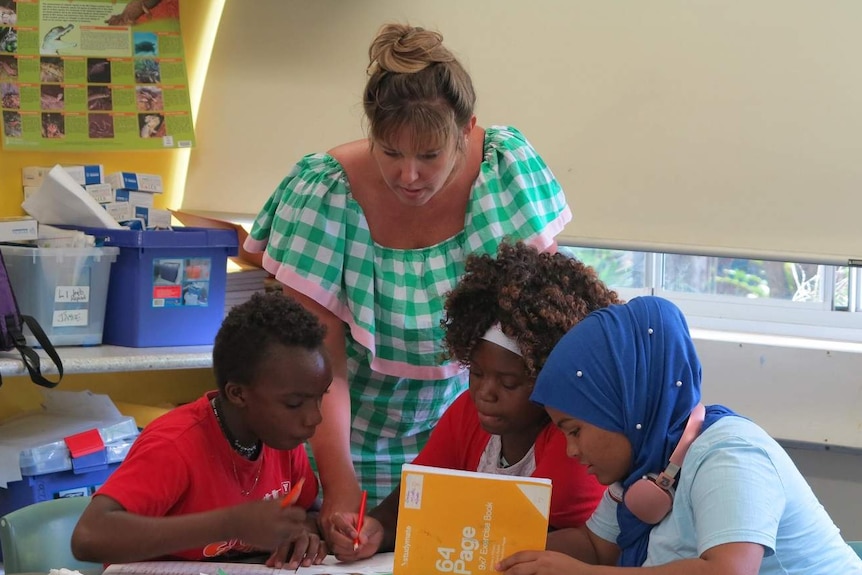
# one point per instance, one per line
(406, 49)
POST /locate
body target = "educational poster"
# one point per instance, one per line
(89, 75)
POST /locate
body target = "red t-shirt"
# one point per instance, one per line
(182, 463)
(458, 441)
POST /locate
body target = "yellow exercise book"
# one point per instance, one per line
(463, 522)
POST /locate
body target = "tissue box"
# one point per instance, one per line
(153, 217)
(120, 211)
(167, 287)
(134, 181)
(84, 175)
(102, 193)
(18, 229)
(133, 197)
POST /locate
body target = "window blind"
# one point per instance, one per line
(711, 127)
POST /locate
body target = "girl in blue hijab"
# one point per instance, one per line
(624, 387)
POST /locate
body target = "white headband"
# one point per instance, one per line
(495, 335)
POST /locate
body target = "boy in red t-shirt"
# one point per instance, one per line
(209, 479)
(502, 320)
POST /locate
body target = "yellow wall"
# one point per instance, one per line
(154, 388)
(199, 20)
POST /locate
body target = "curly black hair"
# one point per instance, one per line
(251, 328)
(536, 298)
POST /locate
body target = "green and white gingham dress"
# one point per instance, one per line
(316, 240)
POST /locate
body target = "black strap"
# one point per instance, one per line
(31, 358)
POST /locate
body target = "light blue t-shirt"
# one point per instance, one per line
(738, 485)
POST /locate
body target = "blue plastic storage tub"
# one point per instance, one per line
(71, 483)
(167, 287)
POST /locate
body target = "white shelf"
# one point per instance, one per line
(111, 358)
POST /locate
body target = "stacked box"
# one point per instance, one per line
(65, 289)
(167, 287)
(135, 181)
(134, 199)
(48, 469)
(18, 229)
(84, 175)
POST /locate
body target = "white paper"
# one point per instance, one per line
(53, 237)
(83, 404)
(380, 564)
(61, 200)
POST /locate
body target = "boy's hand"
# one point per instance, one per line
(265, 524)
(305, 550)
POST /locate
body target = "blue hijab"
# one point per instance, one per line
(630, 358)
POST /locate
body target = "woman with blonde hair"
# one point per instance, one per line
(373, 234)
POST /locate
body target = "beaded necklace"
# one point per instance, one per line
(247, 451)
(241, 449)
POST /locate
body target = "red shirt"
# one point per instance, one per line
(458, 441)
(182, 463)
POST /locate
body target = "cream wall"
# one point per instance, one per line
(729, 126)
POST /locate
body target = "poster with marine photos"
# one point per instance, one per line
(92, 75)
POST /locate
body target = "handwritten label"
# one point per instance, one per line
(413, 491)
(70, 317)
(72, 294)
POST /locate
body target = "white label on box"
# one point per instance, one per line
(149, 183)
(102, 193)
(72, 294)
(70, 318)
(120, 211)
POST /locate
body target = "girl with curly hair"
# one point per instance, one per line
(501, 322)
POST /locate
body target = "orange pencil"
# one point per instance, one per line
(293, 495)
(360, 519)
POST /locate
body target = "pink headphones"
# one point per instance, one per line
(650, 499)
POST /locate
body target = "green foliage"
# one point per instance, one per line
(743, 283)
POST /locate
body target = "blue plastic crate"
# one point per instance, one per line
(167, 287)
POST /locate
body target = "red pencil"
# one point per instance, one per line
(293, 495)
(360, 520)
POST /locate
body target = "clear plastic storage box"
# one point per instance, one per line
(54, 456)
(65, 289)
(48, 469)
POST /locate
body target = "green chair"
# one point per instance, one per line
(37, 538)
(856, 546)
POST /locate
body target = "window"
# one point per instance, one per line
(735, 294)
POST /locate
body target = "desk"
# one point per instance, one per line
(380, 564)
(82, 571)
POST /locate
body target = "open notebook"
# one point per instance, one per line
(380, 564)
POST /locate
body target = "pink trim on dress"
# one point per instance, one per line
(254, 246)
(361, 335)
(427, 372)
(544, 240)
